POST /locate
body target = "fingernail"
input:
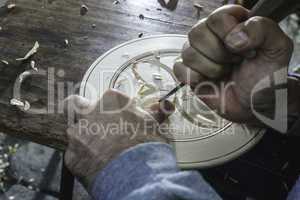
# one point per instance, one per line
(237, 40)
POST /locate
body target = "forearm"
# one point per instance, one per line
(149, 171)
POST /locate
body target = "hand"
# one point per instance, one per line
(229, 48)
(107, 128)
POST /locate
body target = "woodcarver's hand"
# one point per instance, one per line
(107, 128)
(231, 53)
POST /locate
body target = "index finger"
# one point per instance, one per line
(223, 20)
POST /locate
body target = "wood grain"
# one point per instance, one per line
(51, 23)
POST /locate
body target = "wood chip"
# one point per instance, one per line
(141, 35)
(83, 10)
(30, 53)
(141, 16)
(169, 4)
(198, 6)
(116, 2)
(93, 25)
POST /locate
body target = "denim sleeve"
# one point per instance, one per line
(149, 172)
(295, 193)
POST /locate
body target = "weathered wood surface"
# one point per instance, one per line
(50, 23)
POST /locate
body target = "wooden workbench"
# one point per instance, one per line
(51, 23)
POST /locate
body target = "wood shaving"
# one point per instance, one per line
(27, 106)
(23, 76)
(66, 42)
(11, 6)
(32, 65)
(30, 53)
(83, 10)
(16, 102)
(137, 76)
(145, 88)
(23, 105)
(5, 62)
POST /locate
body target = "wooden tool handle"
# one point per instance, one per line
(277, 10)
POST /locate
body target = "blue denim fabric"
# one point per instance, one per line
(149, 172)
(295, 193)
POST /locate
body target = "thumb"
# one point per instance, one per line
(262, 35)
(161, 111)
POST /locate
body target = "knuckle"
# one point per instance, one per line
(261, 22)
(114, 100)
(196, 37)
(196, 30)
(188, 55)
(214, 19)
(217, 19)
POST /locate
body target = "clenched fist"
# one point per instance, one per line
(227, 55)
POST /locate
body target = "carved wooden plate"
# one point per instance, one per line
(142, 69)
